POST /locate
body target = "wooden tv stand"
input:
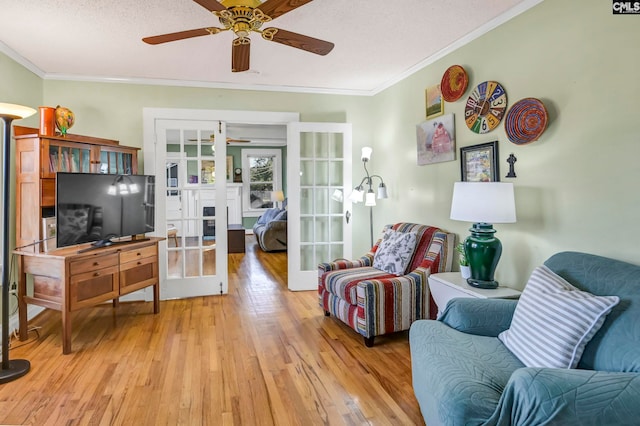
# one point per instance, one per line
(69, 279)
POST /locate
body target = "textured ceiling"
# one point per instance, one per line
(377, 42)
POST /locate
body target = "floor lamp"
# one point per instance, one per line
(358, 194)
(17, 368)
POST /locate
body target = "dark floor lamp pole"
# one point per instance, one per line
(16, 368)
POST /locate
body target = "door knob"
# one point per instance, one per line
(347, 216)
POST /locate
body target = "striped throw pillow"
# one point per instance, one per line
(554, 321)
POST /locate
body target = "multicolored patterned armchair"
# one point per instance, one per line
(374, 302)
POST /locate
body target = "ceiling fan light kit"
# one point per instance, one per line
(244, 17)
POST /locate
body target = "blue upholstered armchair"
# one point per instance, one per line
(464, 375)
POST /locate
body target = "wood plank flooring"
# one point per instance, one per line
(261, 355)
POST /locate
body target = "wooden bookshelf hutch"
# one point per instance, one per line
(39, 157)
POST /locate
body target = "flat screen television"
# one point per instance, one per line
(103, 208)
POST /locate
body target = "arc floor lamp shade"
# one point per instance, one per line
(11, 369)
(483, 204)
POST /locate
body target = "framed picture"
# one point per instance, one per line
(479, 163)
(434, 102)
(229, 168)
(436, 142)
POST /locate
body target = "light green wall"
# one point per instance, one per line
(18, 86)
(576, 187)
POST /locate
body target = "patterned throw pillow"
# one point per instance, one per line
(554, 321)
(394, 252)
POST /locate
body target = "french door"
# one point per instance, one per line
(177, 147)
(190, 165)
(319, 219)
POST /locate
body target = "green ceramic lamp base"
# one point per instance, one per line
(483, 251)
(482, 284)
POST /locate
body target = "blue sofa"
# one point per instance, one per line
(271, 230)
(464, 375)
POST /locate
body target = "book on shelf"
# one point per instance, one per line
(53, 162)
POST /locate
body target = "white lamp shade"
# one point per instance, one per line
(277, 196)
(371, 198)
(357, 196)
(487, 202)
(382, 191)
(366, 153)
(15, 111)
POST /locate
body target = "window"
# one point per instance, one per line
(261, 175)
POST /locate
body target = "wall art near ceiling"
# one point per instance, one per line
(454, 83)
(436, 140)
(485, 107)
(434, 102)
(479, 163)
(526, 121)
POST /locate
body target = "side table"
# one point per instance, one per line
(448, 285)
(235, 237)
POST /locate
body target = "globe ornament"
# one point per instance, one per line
(64, 119)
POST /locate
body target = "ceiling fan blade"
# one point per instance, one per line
(275, 8)
(181, 35)
(210, 5)
(299, 41)
(240, 54)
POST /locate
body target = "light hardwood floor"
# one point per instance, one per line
(261, 355)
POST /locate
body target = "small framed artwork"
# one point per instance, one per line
(436, 142)
(479, 163)
(229, 168)
(434, 102)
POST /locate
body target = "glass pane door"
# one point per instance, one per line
(194, 217)
(319, 169)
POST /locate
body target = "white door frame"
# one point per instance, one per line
(150, 118)
(299, 279)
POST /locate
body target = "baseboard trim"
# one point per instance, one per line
(32, 312)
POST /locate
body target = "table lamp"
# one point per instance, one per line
(11, 369)
(483, 203)
(277, 197)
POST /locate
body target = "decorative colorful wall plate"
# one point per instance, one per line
(485, 107)
(454, 83)
(526, 121)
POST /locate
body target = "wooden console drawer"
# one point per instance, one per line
(92, 264)
(131, 255)
(93, 287)
(138, 274)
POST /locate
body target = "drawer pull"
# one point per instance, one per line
(139, 263)
(96, 263)
(96, 274)
(139, 254)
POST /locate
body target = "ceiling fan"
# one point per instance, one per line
(246, 16)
